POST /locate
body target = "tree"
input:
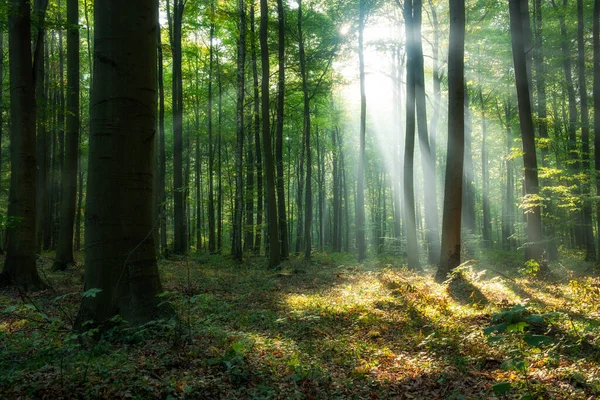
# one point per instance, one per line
(534, 218)
(120, 256)
(360, 191)
(241, 60)
(409, 146)
(179, 207)
(64, 250)
(596, 94)
(450, 250)
(20, 262)
(283, 230)
(274, 247)
(588, 233)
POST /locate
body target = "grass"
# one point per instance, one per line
(325, 329)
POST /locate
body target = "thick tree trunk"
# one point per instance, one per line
(20, 262)
(451, 225)
(64, 249)
(120, 254)
(534, 218)
(41, 117)
(361, 243)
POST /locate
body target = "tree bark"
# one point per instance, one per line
(283, 230)
(120, 254)
(534, 218)
(179, 207)
(64, 249)
(409, 147)
(596, 95)
(274, 247)
(241, 60)
(588, 232)
(451, 225)
(361, 244)
(20, 262)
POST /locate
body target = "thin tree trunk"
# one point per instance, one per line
(241, 60)
(409, 147)
(283, 230)
(360, 198)
(64, 250)
(588, 230)
(427, 158)
(180, 243)
(257, 133)
(211, 157)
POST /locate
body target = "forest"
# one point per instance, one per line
(300, 199)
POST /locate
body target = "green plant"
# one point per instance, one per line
(512, 326)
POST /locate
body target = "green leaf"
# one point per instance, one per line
(517, 327)
(91, 293)
(501, 388)
(535, 319)
(495, 328)
(537, 340)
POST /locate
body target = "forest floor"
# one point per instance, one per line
(321, 330)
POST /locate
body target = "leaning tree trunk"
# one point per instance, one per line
(534, 218)
(120, 251)
(64, 249)
(20, 262)
(451, 224)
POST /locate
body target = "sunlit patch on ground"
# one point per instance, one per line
(328, 329)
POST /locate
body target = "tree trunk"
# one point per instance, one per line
(485, 186)
(162, 194)
(274, 248)
(588, 232)
(409, 147)
(212, 246)
(596, 94)
(120, 255)
(179, 202)
(241, 60)
(20, 262)
(360, 194)
(451, 224)
(534, 219)
(257, 133)
(427, 158)
(285, 245)
(64, 249)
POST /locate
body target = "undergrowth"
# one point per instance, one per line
(325, 329)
